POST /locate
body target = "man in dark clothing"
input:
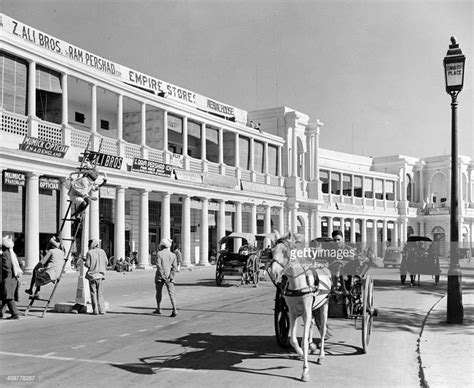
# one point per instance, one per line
(10, 274)
(166, 267)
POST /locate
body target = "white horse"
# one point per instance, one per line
(306, 289)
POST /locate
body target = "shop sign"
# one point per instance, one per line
(189, 176)
(58, 47)
(43, 147)
(103, 160)
(152, 168)
(14, 178)
(220, 180)
(46, 183)
(175, 160)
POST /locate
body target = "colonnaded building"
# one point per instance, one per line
(188, 167)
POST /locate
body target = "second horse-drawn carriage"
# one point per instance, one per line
(420, 257)
(238, 257)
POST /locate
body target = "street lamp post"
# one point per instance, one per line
(454, 76)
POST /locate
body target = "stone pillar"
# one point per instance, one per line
(238, 217)
(293, 219)
(94, 109)
(85, 233)
(204, 251)
(422, 228)
(94, 229)
(221, 146)
(268, 219)
(221, 220)
(363, 232)
(252, 155)
(253, 218)
(165, 131)
(203, 142)
(384, 237)
(143, 224)
(165, 216)
(64, 100)
(395, 233)
(330, 226)
(119, 230)
(281, 221)
(237, 150)
(185, 137)
(31, 90)
(353, 230)
(374, 237)
(32, 252)
(186, 231)
(120, 117)
(63, 207)
(294, 153)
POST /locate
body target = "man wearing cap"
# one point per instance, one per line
(81, 188)
(96, 262)
(49, 267)
(166, 267)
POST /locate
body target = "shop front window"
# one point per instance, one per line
(212, 144)
(194, 140)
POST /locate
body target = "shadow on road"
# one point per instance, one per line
(207, 351)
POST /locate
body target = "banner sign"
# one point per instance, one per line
(183, 175)
(118, 72)
(153, 168)
(55, 45)
(46, 183)
(43, 147)
(14, 178)
(103, 160)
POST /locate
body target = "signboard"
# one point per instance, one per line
(126, 75)
(152, 168)
(55, 45)
(43, 147)
(103, 160)
(14, 178)
(46, 183)
(189, 176)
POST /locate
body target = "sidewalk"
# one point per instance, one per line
(447, 351)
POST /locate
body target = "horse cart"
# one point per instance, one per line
(351, 296)
(420, 257)
(238, 257)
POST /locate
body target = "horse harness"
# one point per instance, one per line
(284, 288)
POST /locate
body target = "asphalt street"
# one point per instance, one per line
(223, 336)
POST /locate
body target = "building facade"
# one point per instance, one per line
(188, 167)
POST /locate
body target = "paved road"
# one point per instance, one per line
(222, 337)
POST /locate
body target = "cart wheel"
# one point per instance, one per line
(282, 320)
(403, 278)
(367, 312)
(219, 272)
(436, 279)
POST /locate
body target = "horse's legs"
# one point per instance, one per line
(323, 313)
(293, 338)
(307, 316)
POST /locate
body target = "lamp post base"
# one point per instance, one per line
(455, 307)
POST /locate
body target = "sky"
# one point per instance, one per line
(371, 71)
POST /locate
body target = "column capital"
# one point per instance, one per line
(32, 175)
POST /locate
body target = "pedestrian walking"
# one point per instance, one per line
(11, 272)
(179, 256)
(96, 263)
(166, 267)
